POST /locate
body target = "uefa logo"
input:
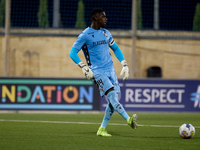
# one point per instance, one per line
(196, 98)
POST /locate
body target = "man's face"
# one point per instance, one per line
(101, 19)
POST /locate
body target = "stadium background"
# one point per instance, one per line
(159, 39)
(42, 49)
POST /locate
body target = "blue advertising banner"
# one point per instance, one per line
(48, 94)
(159, 95)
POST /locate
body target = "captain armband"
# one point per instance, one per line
(111, 42)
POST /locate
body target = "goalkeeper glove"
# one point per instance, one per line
(86, 70)
(125, 70)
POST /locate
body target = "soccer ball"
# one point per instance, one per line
(186, 131)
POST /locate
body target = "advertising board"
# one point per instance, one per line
(159, 95)
(48, 94)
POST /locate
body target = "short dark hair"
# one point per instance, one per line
(95, 11)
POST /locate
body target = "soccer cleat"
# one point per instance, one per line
(102, 132)
(133, 121)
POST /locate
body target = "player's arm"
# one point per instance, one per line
(120, 57)
(86, 70)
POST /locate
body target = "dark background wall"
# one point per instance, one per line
(174, 14)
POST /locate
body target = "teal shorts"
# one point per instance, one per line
(106, 81)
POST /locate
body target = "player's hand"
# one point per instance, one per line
(125, 70)
(86, 70)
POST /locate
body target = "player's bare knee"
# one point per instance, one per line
(109, 90)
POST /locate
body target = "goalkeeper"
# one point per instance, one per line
(95, 42)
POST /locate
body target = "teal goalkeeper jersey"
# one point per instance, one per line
(95, 45)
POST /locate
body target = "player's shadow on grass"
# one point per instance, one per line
(115, 134)
(88, 133)
(160, 137)
(142, 137)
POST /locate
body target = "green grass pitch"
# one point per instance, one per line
(156, 131)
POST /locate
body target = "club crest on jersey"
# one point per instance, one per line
(105, 34)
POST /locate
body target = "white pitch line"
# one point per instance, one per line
(67, 122)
